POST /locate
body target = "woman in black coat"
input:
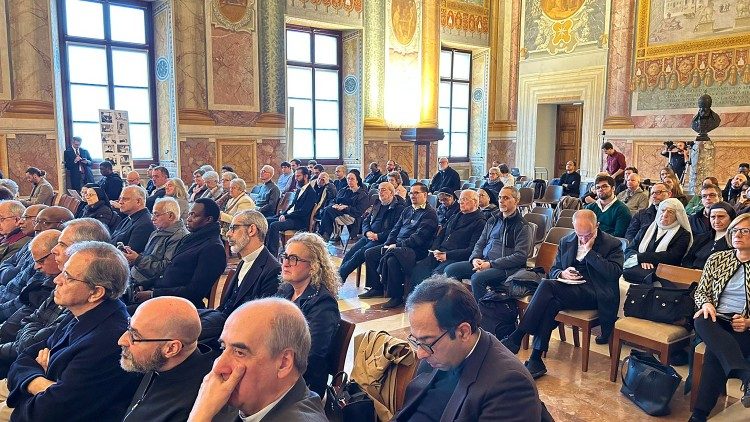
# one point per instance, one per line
(714, 240)
(98, 207)
(665, 241)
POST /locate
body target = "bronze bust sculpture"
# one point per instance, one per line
(706, 120)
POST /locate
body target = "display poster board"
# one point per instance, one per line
(115, 135)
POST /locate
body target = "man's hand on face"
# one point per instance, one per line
(214, 393)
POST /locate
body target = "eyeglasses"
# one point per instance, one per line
(658, 192)
(7, 218)
(424, 346)
(234, 227)
(40, 260)
(292, 259)
(709, 195)
(155, 214)
(743, 231)
(413, 192)
(26, 217)
(133, 339)
(45, 222)
(602, 187)
(68, 278)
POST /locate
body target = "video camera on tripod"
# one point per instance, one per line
(670, 144)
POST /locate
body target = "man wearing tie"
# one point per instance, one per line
(78, 164)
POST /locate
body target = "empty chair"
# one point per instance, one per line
(544, 211)
(565, 222)
(556, 233)
(425, 182)
(412, 181)
(542, 223)
(527, 198)
(478, 183)
(567, 213)
(552, 195)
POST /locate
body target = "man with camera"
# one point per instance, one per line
(678, 155)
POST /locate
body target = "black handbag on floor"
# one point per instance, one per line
(499, 313)
(648, 383)
(661, 304)
(347, 402)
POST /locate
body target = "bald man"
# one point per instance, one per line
(166, 351)
(133, 178)
(585, 275)
(269, 194)
(52, 218)
(261, 375)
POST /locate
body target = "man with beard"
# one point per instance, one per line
(297, 214)
(166, 352)
(198, 261)
(613, 215)
(733, 191)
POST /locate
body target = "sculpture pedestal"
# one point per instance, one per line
(702, 164)
(418, 137)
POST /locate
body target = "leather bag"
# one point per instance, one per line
(347, 402)
(648, 383)
(661, 304)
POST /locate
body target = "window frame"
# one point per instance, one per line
(453, 80)
(339, 68)
(109, 45)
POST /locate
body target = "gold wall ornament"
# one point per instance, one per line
(404, 20)
(560, 9)
(234, 15)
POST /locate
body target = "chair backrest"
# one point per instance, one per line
(678, 275)
(546, 256)
(473, 179)
(565, 222)
(553, 193)
(544, 211)
(432, 200)
(527, 196)
(214, 298)
(285, 200)
(555, 182)
(466, 185)
(412, 181)
(567, 213)
(64, 201)
(426, 182)
(585, 188)
(478, 183)
(533, 229)
(556, 234)
(542, 223)
(52, 200)
(341, 340)
(624, 243)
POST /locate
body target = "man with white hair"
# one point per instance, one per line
(133, 178)
(13, 238)
(166, 351)
(135, 229)
(269, 193)
(212, 183)
(633, 196)
(148, 267)
(241, 377)
(446, 177)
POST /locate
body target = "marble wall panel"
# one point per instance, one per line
(190, 54)
(684, 120)
(30, 50)
(24, 152)
(241, 156)
(502, 150)
(620, 58)
(271, 152)
(234, 118)
(234, 72)
(195, 152)
(5, 89)
(647, 158)
(727, 156)
(403, 154)
(376, 151)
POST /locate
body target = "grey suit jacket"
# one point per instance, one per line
(42, 194)
(299, 404)
(494, 386)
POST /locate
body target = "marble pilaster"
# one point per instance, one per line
(504, 47)
(704, 166)
(430, 62)
(374, 63)
(619, 64)
(190, 61)
(272, 61)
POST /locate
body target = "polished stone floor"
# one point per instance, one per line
(570, 395)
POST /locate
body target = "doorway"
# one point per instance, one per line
(568, 136)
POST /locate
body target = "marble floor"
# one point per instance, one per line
(570, 395)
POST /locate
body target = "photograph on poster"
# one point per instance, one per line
(123, 149)
(106, 117)
(107, 128)
(124, 159)
(126, 169)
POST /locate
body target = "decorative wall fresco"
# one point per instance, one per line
(374, 61)
(465, 21)
(403, 63)
(555, 27)
(240, 154)
(684, 49)
(165, 81)
(352, 99)
(232, 55)
(347, 12)
(23, 152)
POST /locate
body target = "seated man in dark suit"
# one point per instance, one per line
(78, 367)
(257, 274)
(501, 250)
(241, 377)
(375, 228)
(111, 182)
(173, 368)
(646, 216)
(455, 241)
(464, 372)
(407, 243)
(592, 262)
(198, 261)
(135, 229)
(446, 177)
(699, 222)
(160, 177)
(269, 194)
(297, 214)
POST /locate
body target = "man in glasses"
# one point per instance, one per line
(78, 367)
(407, 243)
(198, 260)
(135, 229)
(42, 322)
(455, 352)
(645, 217)
(269, 194)
(700, 222)
(585, 275)
(166, 352)
(13, 265)
(149, 266)
(613, 215)
(12, 238)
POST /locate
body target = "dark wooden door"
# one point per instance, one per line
(568, 139)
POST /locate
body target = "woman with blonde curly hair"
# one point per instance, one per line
(176, 189)
(310, 280)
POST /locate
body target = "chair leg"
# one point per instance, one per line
(664, 354)
(696, 380)
(614, 359)
(586, 346)
(525, 342)
(561, 331)
(576, 337)
(359, 275)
